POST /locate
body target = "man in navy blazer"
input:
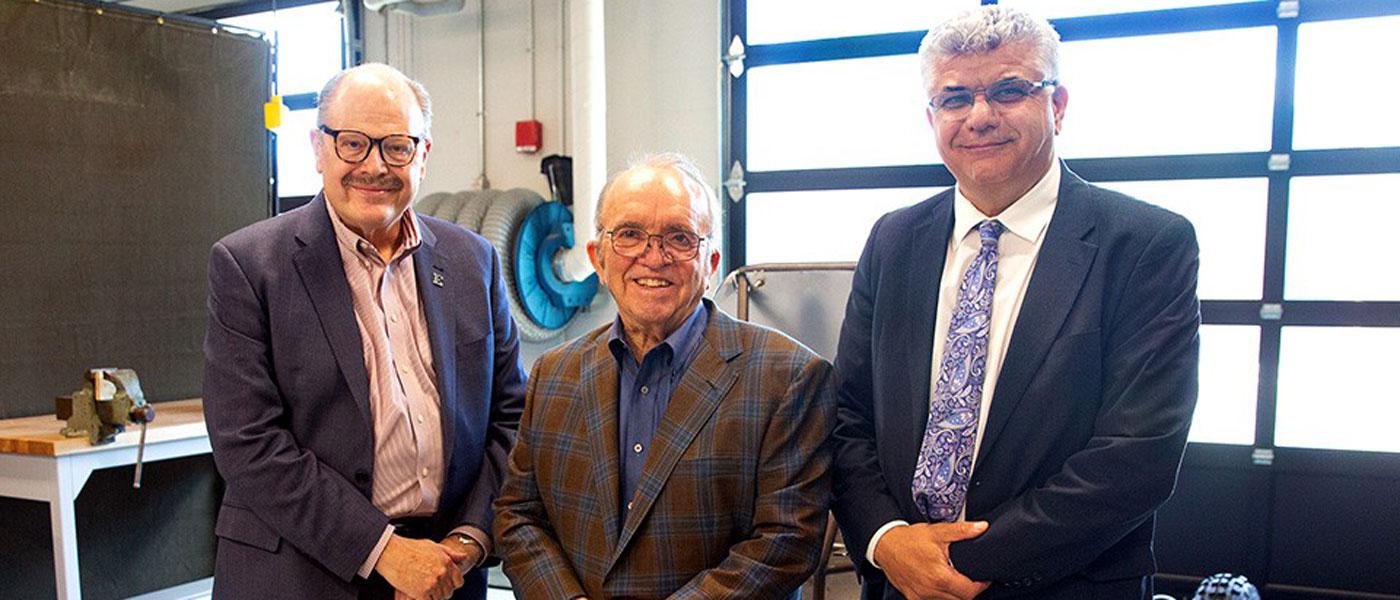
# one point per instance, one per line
(362, 379)
(1017, 367)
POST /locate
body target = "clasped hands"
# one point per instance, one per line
(423, 569)
(915, 560)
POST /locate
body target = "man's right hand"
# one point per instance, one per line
(420, 569)
(915, 560)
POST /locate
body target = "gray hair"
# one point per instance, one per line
(420, 93)
(675, 160)
(984, 29)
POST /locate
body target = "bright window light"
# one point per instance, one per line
(308, 45)
(820, 226)
(1338, 389)
(1339, 79)
(777, 21)
(1229, 385)
(1054, 9)
(841, 113)
(1339, 241)
(1182, 93)
(296, 163)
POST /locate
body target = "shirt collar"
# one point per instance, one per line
(355, 243)
(679, 343)
(1026, 218)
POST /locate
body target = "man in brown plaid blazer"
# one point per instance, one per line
(676, 452)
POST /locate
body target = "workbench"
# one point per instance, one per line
(38, 463)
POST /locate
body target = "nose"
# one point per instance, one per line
(654, 254)
(374, 163)
(981, 116)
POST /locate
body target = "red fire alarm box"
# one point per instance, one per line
(527, 136)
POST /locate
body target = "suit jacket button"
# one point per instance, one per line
(362, 476)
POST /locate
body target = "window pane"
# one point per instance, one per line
(1230, 217)
(1336, 73)
(1181, 93)
(828, 225)
(308, 44)
(1053, 9)
(296, 164)
(1229, 385)
(1337, 388)
(1337, 245)
(776, 21)
(840, 113)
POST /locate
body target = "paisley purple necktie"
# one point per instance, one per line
(945, 458)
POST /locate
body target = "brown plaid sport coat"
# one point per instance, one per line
(733, 497)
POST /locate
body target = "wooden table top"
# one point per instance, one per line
(39, 435)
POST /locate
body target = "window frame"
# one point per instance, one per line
(351, 53)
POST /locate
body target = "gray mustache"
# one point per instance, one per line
(388, 182)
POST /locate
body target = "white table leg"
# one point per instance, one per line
(72, 474)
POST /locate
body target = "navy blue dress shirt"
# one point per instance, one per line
(645, 389)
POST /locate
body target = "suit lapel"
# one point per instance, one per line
(431, 277)
(694, 401)
(319, 265)
(914, 333)
(599, 376)
(1060, 269)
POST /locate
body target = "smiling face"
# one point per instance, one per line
(655, 292)
(371, 196)
(997, 151)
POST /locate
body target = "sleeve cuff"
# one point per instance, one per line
(368, 567)
(480, 538)
(875, 540)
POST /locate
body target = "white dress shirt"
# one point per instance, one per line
(1025, 221)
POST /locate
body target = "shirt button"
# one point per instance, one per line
(420, 419)
(629, 506)
(425, 471)
(637, 448)
(393, 318)
(645, 389)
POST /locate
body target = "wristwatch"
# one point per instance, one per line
(466, 540)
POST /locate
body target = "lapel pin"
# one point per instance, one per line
(438, 279)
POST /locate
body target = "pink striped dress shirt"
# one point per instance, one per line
(404, 401)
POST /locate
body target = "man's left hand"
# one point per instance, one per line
(915, 560)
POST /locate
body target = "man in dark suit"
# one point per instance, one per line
(362, 382)
(1017, 366)
(675, 452)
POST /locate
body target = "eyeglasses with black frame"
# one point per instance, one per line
(677, 244)
(354, 147)
(1003, 93)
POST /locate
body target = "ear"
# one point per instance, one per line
(594, 256)
(712, 261)
(931, 116)
(1058, 100)
(316, 140)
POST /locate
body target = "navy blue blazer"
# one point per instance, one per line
(1091, 411)
(286, 401)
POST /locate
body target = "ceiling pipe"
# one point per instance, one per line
(587, 129)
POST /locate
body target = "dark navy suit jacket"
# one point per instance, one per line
(1086, 430)
(286, 401)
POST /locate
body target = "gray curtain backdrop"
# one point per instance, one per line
(127, 148)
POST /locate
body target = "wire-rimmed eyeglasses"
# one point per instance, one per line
(677, 244)
(1003, 93)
